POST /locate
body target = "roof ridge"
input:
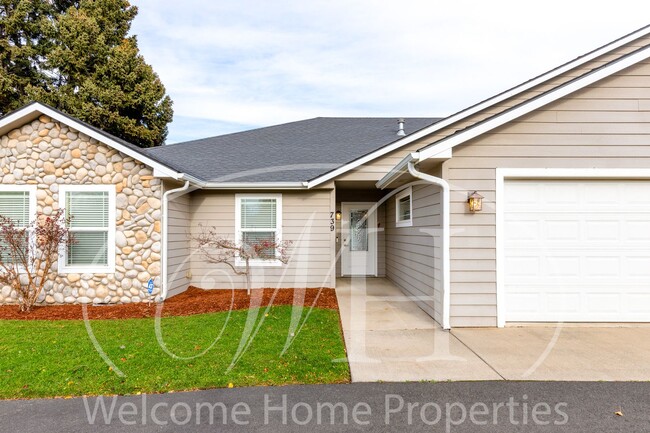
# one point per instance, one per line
(432, 119)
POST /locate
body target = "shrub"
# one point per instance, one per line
(28, 254)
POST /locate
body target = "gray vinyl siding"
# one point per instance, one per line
(606, 125)
(306, 222)
(178, 247)
(413, 254)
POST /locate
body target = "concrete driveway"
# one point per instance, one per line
(563, 351)
(389, 338)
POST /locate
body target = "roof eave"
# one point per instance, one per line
(32, 111)
(448, 143)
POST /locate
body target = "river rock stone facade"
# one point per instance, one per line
(48, 154)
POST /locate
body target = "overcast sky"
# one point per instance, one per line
(238, 64)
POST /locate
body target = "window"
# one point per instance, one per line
(258, 218)
(92, 212)
(404, 208)
(18, 202)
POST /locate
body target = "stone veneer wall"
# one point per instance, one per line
(48, 154)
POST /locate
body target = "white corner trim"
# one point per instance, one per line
(90, 269)
(36, 107)
(485, 104)
(533, 104)
(500, 247)
(278, 229)
(409, 222)
(502, 174)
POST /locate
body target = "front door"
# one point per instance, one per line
(358, 239)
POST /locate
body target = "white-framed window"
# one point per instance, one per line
(404, 208)
(258, 217)
(92, 209)
(18, 202)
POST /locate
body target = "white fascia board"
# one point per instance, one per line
(252, 185)
(483, 105)
(202, 184)
(533, 104)
(30, 110)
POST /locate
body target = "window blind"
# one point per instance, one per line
(91, 248)
(258, 213)
(88, 209)
(15, 205)
(252, 238)
(89, 226)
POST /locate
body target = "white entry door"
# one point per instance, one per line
(577, 250)
(358, 239)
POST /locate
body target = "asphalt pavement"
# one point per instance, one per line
(378, 407)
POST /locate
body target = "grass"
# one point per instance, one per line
(57, 358)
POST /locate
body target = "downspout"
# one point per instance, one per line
(165, 242)
(446, 274)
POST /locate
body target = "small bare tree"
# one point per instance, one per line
(216, 248)
(30, 252)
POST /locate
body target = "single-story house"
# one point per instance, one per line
(531, 206)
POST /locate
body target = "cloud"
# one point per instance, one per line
(230, 64)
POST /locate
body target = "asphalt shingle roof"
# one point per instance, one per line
(291, 152)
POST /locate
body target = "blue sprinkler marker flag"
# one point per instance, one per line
(150, 286)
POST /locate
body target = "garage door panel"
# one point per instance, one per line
(524, 267)
(638, 267)
(523, 304)
(561, 230)
(602, 266)
(562, 302)
(638, 230)
(638, 303)
(577, 250)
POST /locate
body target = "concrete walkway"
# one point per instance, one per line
(389, 338)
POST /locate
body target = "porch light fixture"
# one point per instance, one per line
(338, 215)
(475, 202)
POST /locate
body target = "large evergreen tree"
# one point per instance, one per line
(78, 57)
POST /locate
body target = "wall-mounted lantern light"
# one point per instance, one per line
(475, 201)
(338, 215)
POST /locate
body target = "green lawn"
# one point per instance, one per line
(46, 359)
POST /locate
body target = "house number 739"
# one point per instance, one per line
(332, 224)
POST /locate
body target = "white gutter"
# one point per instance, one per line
(253, 185)
(165, 242)
(446, 271)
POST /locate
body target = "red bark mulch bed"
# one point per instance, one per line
(192, 301)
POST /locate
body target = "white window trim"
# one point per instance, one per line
(278, 228)
(31, 189)
(409, 222)
(90, 269)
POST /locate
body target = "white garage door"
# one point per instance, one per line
(577, 250)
